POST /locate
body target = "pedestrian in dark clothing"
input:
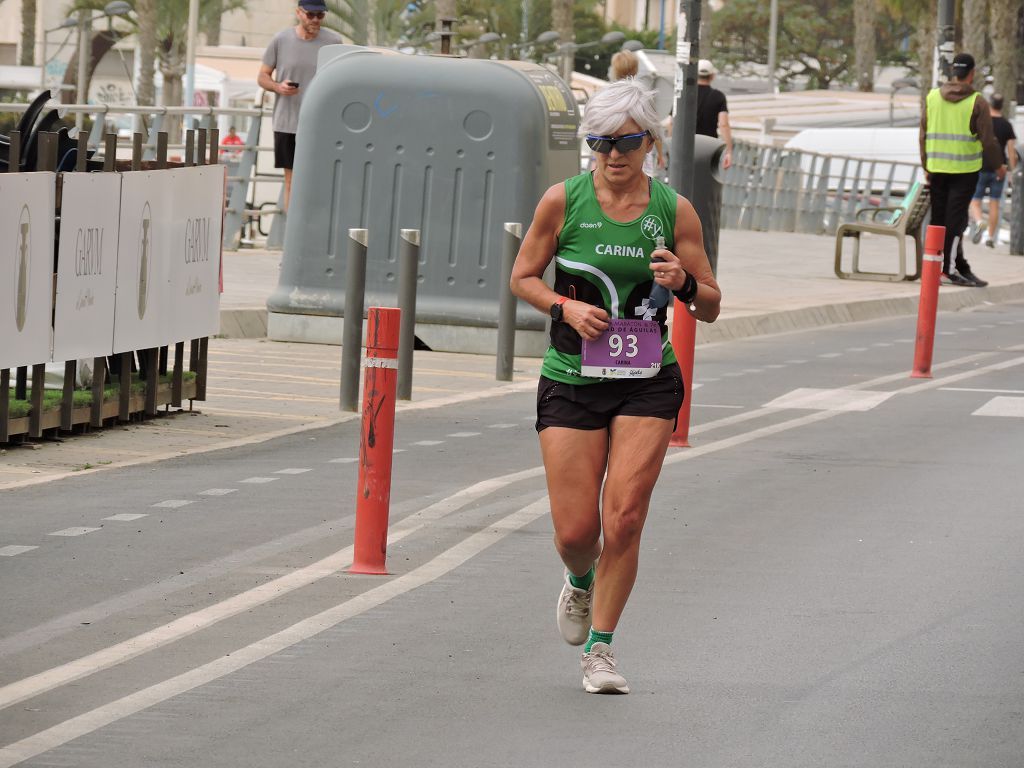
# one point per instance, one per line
(956, 133)
(713, 110)
(988, 184)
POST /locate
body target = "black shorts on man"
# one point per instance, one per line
(593, 406)
(284, 150)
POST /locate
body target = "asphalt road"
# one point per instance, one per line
(830, 577)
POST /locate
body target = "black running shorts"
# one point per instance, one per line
(593, 406)
(284, 150)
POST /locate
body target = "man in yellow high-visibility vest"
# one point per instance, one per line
(956, 134)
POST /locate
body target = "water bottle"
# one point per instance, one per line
(660, 295)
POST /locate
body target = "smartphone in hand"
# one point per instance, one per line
(292, 83)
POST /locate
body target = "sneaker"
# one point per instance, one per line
(990, 243)
(973, 278)
(953, 278)
(574, 612)
(599, 675)
(976, 232)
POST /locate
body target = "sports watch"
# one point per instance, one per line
(556, 309)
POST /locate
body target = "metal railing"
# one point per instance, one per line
(243, 222)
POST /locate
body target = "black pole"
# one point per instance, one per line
(684, 124)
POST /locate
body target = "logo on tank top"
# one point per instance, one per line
(652, 227)
(591, 224)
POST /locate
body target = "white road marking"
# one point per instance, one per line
(244, 601)
(217, 491)
(987, 391)
(501, 426)
(795, 362)
(753, 370)
(1002, 406)
(185, 625)
(904, 341)
(947, 333)
(986, 325)
(882, 344)
(463, 434)
(173, 503)
(709, 381)
(293, 471)
(257, 480)
(856, 349)
(76, 531)
(831, 354)
(343, 460)
(428, 442)
(125, 517)
(15, 549)
(398, 450)
(775, 365)
(430, 571)
(830, 399)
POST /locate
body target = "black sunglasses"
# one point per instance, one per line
(314, 14)
(605, 144)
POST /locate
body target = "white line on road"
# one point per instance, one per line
(217, 491)
(428, 443)
(430, 571)
(987, 391)
(186, 625)
(1002, 406)
(501, 426)
(293, 471)
(76, 531)
(344, 460)
(463, 434)
(124, 517)
(258, 480)
(193, 622)
(173, 503)
(15, 549)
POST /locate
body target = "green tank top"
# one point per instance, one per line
(605, 263)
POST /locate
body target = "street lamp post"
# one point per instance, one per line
(190, 53)
(84, 23)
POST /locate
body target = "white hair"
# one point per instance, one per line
(616, 103)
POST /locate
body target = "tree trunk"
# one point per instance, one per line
(865, 16)
(975, 16)
(28, 34)
(927, 28)
(1003, 15)
(172, 67)
(561, 22)
(146, 13)
(705, 26)
(213, 23)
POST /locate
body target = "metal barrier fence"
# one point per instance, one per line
(67, 297)
(244, 216)
(787, 190)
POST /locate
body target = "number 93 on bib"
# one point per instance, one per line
(629, 349)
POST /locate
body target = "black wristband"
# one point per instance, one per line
(688, 292)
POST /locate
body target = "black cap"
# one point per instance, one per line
(963, 65)
(313, 6)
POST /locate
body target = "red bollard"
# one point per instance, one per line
(684, 341)
(931, 269)
(377, 441)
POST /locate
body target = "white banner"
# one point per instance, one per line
(26, 267)
(86, 266)
(143, 261)
(193, 307)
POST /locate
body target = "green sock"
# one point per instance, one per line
(584, 581)
(597, 637)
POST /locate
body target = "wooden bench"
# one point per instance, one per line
(901, 222)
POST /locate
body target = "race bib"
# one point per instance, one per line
(629, 349)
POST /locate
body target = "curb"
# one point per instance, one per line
(252, 323)
(806, 318)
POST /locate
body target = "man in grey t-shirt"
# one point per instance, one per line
(289, 63)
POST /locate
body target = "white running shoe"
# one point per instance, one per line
(599, 675)
(574, 612)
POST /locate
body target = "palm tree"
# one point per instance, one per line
(865, 19)
(561, 22)
(975, 22)
(28, 33)
(1003, 31)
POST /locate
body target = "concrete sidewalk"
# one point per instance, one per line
(258, 389)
